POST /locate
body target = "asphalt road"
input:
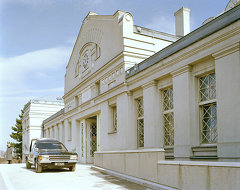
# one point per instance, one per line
(17, 177)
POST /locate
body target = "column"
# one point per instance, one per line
(75, 134)
(151, 104)
(67, 141)
(183, 103)
(49, 132)
(60, 132)
(52, 132)
(55, 132)
(227, 68)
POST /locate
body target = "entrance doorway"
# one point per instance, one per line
(91, 138)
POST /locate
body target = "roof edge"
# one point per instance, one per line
(211, 27)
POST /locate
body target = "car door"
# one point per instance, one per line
(31, 154)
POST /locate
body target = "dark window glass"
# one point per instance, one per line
(56, 146)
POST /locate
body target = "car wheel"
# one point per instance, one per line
(28, 165)
(72, 168)
(38, 167)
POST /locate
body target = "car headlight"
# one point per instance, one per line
(43, 157)
(73, 157)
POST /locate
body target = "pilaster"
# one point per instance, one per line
(60, 132)
(151, 115)
(183, 111)
(131, 122)
(227, 68)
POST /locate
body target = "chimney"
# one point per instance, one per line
(182, 21)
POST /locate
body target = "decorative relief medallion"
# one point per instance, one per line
(85, 60)
(88, 55)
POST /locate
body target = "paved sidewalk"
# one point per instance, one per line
(17, 177)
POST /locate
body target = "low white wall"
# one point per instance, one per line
(185, 175)
(137, 163)
(199, 175)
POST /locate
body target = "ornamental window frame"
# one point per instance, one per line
(140, 122)
(208, 108)
(168, 116)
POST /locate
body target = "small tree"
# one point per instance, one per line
(17, 136)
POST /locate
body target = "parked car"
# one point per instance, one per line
(50, 153)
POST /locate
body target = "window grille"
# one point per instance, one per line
(140, 122)
(93, 139)
(168, 120)
(114, 111)
(208, 108)
(208, 87)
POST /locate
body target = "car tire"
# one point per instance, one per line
(38, 167)
(72, 168)
(28, 165)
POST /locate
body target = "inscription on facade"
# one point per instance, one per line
(86, 95)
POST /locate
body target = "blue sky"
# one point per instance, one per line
(37, 37)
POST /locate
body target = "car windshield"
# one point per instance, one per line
(56, 146)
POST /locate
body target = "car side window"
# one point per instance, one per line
(33, 146)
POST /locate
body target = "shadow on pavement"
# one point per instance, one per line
(32, 169)
(114, 180)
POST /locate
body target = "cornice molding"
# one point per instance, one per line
(149, 84)
(129, 93)
(181, 70)
(227, 50)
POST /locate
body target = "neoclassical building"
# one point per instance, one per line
(35, 112)
(161, 109)
(96, 112)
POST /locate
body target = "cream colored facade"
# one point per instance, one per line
(171, 119)
(95, 82)
(35, 112)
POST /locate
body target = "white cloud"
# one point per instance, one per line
(19, 74)
(16, 71)
(162, 24)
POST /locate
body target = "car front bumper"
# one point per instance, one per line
(57, 165)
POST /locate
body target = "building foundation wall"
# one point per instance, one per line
(137, 163)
